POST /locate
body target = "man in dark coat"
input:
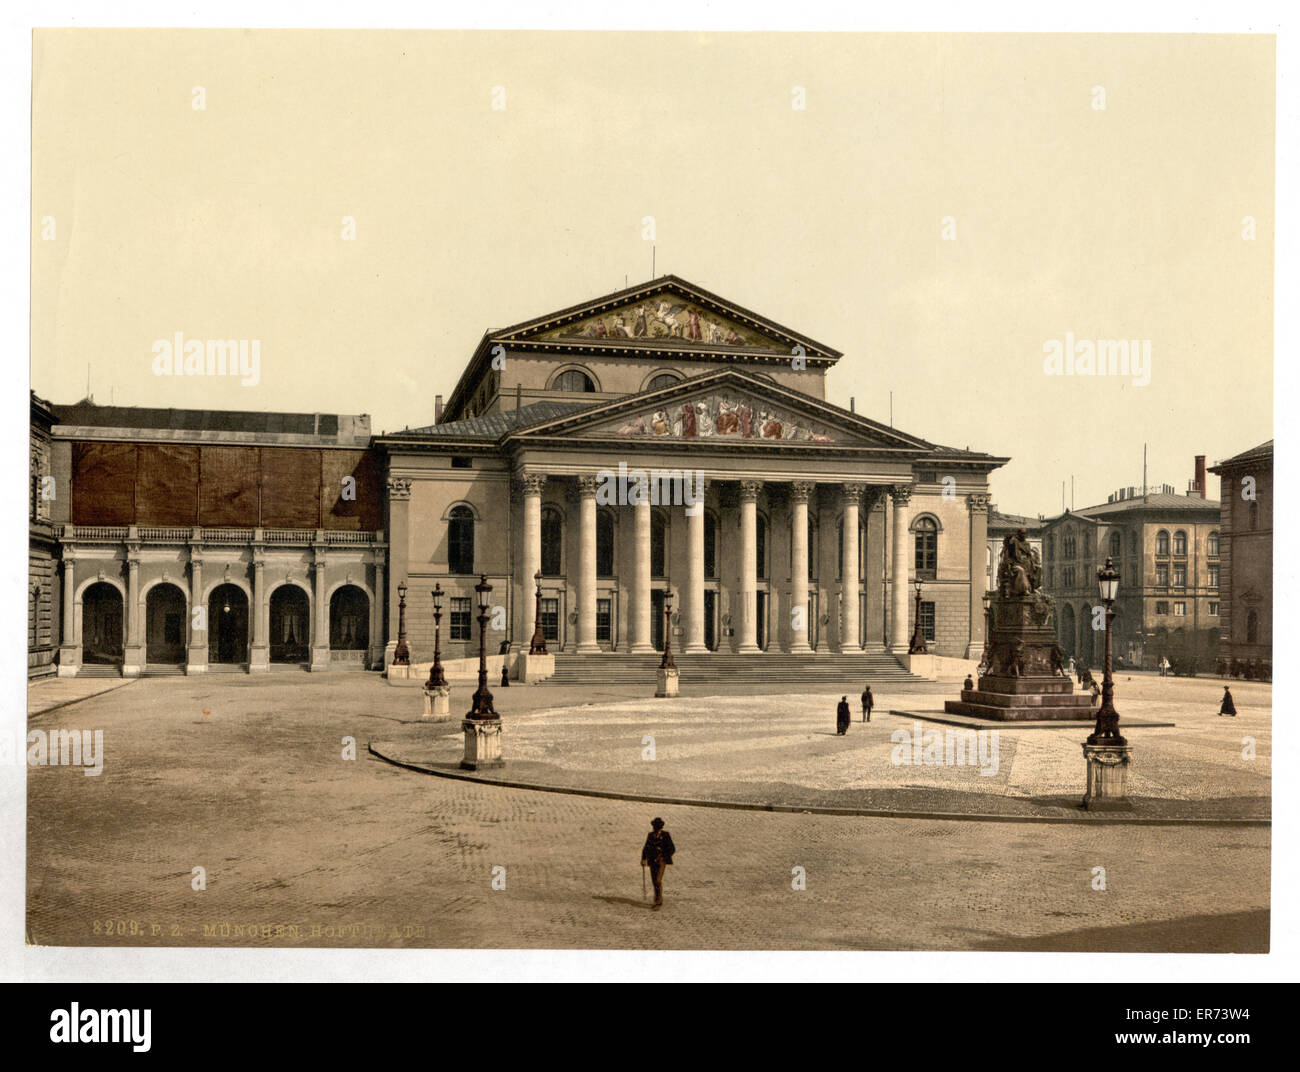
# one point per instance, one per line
(656, 855)
(968, 684)
(1227, 707)
(868, 702)
(842, 717)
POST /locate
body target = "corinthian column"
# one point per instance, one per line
(694, 600)
(587, 564)
(800, 490)
(901, 494)
(641, 609)
(850, 586)
(748, 592)
(530, 486)
(978, 505)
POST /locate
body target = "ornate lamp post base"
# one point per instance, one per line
(1107, 777)
(666, 681)
(437, 703)
(482, 744)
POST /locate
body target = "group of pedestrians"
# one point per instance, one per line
(843, 716)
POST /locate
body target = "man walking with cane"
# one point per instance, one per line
(657, 855)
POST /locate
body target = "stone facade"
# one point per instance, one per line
(43, 549)
(1246, 556)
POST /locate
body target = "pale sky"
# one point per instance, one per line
(1124, 222)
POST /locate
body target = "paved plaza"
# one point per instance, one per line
(246, 778)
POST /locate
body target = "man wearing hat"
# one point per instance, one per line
(658, 854)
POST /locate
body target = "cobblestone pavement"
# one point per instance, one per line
(782, 750)
(245, 777)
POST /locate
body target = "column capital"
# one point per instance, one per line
(802, 490)
(399, 489)
(587, 486)
(977, 502)
(530, 483)
(851, 493)
(749, 490)
(901, 494)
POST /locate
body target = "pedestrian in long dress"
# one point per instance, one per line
(842, 717)
(1227, 707)
(868, 702)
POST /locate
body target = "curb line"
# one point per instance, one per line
(869, 813)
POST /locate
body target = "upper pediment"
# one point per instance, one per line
(726, 408)
(669, 314)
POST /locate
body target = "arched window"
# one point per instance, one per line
(1212, 544)
(574, 380)
(1087, 543)
(658, 545)
(1180, 542)
(760, 543)
(710, 545)
(460, 540)
(927, 547)
(1049, 548)
(1162, 542)
(604, 543)
(664, 379)
(552, 542)
(1116, 545)
(1252, 627)
(1069, 545)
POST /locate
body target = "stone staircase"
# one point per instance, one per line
(830, 672)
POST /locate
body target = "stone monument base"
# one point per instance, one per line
(482, 744)
(1107, 777)
(1028, 698)
(666, 681)
(437, 703)
(533, 668)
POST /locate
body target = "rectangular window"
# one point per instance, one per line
(1162, 607)
(1180, 610)
(1214, 576)
(602, 620)
(1180, 576)
(1162, 576)
(459, 462)
(927, 620)
(551, 619)
(460, 608)
(1214, 610)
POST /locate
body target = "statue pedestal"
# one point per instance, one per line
(666, 681)
(482, 744)
(1107, 777)
(437, 703)
(533, 668)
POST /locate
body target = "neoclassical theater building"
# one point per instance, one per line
(779, 521)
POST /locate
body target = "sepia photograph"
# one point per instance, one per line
(694, 490)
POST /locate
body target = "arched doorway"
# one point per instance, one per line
(1067, 630)
(101, 625)
(289, 625)
(227, 625)
(164, 623)
(349, 626)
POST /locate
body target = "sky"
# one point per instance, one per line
(941, 208)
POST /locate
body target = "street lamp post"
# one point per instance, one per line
(437, 679)
(666, 677)
(984, 664)
(1106, 752)
(482, 707)
(917, 647)
(401, 654)
(482, 726)
(537, 646)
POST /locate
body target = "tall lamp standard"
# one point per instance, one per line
(917, 647)
(401, 654)
(437, 679)
(537, 646)
(1107, 731)
(666, 663)
(482, 708)
(984, 663)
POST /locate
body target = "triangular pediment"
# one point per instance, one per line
(728, 408)
(667, 314)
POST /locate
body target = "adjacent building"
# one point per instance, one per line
(1167, 548)
(1246, 549)
(43, 548)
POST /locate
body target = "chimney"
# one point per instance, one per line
(1200, 475)
(437, 409)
